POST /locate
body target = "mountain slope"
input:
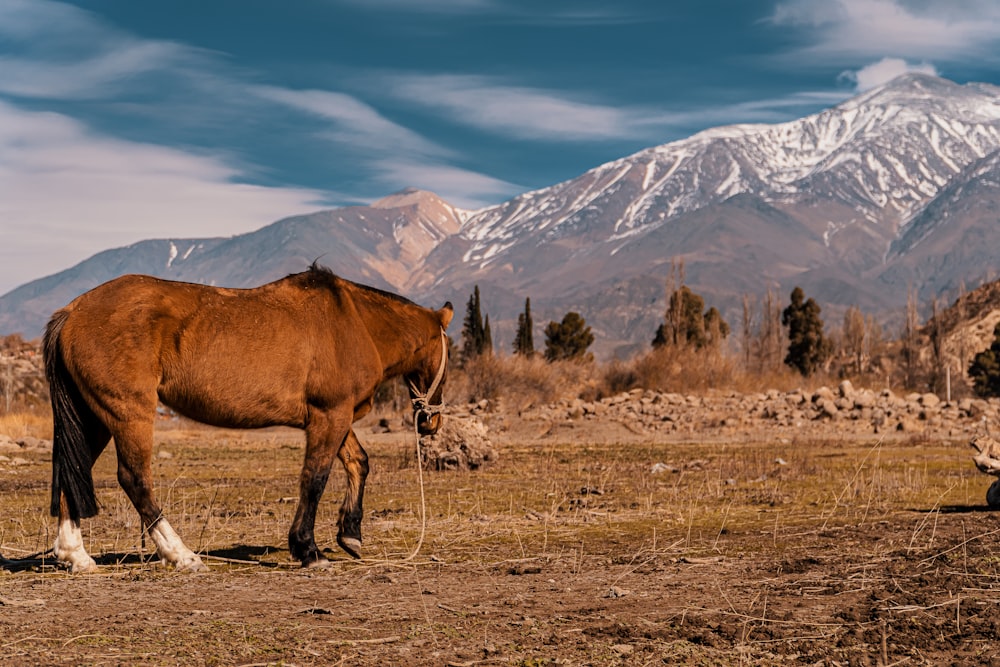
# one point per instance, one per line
(891, 189)
(817, 201)
(374, 244)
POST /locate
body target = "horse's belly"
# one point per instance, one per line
(242, 408)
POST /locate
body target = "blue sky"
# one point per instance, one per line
(123, 120)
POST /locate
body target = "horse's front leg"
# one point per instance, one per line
(324, 436)
(355, 461)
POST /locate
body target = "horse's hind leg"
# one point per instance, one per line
(134, 443)
(355, 461)
(68, 547)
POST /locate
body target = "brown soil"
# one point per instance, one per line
(567, 550)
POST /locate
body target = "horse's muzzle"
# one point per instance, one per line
(427, 424)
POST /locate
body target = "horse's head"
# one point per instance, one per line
(426, 382)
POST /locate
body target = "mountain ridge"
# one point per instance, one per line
(857, 203)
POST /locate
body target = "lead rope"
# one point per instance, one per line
(423, 504)
(420, 404)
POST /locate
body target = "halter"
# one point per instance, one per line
(420, 400)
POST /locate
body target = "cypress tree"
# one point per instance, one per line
(568, 339)
(807, 347)
(473, 331)
(486, 344)
(524, 343)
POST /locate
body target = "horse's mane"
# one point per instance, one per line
(317, 273)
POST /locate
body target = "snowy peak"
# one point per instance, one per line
(884, 153)
(896, 187)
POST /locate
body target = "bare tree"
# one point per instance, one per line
(746, 330)
(854, 338)
(935, 330)
(770, 333)
(910, 349)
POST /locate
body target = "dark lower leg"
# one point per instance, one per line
(324, 436)
(301, 540)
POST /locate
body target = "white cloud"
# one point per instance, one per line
(354, 122)
(428, 6)
(525, 113)
(929, 30)
(394, 154)
(460, 187)
(883, 71)
(69, 193)
(66, 53)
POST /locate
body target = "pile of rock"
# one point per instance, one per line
(460, 444)
(10, 448)
(843, 408)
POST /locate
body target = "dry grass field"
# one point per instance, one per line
(568, 550)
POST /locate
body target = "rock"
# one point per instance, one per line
(28, 442)
(8, 445)
(827, 408)
(864, 399)
(823, 393)
(846, 389)
(929, 400)
(993, 494)
(460, 444)
(988, 457)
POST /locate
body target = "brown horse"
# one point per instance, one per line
(306, 351)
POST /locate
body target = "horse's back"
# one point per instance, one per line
(230, 357)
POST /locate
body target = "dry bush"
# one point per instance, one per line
(690, 370)
(518, 382)
(36, 423)
(679, 369)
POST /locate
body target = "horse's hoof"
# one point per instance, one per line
(88, 566)
(318, 564)
(351, 545)
(191, 565)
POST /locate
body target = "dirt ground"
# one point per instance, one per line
(581, 545)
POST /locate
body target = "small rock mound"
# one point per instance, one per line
(460, 444)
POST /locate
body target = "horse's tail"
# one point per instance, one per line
(71, 457)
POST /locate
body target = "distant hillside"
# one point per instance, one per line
(893, 190)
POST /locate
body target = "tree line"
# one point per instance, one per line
(793, 336)
(567, 340)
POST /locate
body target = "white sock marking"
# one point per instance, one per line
(172, 549)
(68, 548)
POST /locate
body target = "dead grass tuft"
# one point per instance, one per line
(35, 423)
(518, 381)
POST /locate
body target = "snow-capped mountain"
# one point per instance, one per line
(818, 201)
(892, 189)
(883, 155)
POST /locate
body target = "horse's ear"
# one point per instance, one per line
(445, 314)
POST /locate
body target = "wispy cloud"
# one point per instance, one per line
(533, 114)
(516, 111)
(866, 29)
(69, 193)
(429, 6)
(63, 52)
(394, 154)
(352, 120)
(461, 187)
